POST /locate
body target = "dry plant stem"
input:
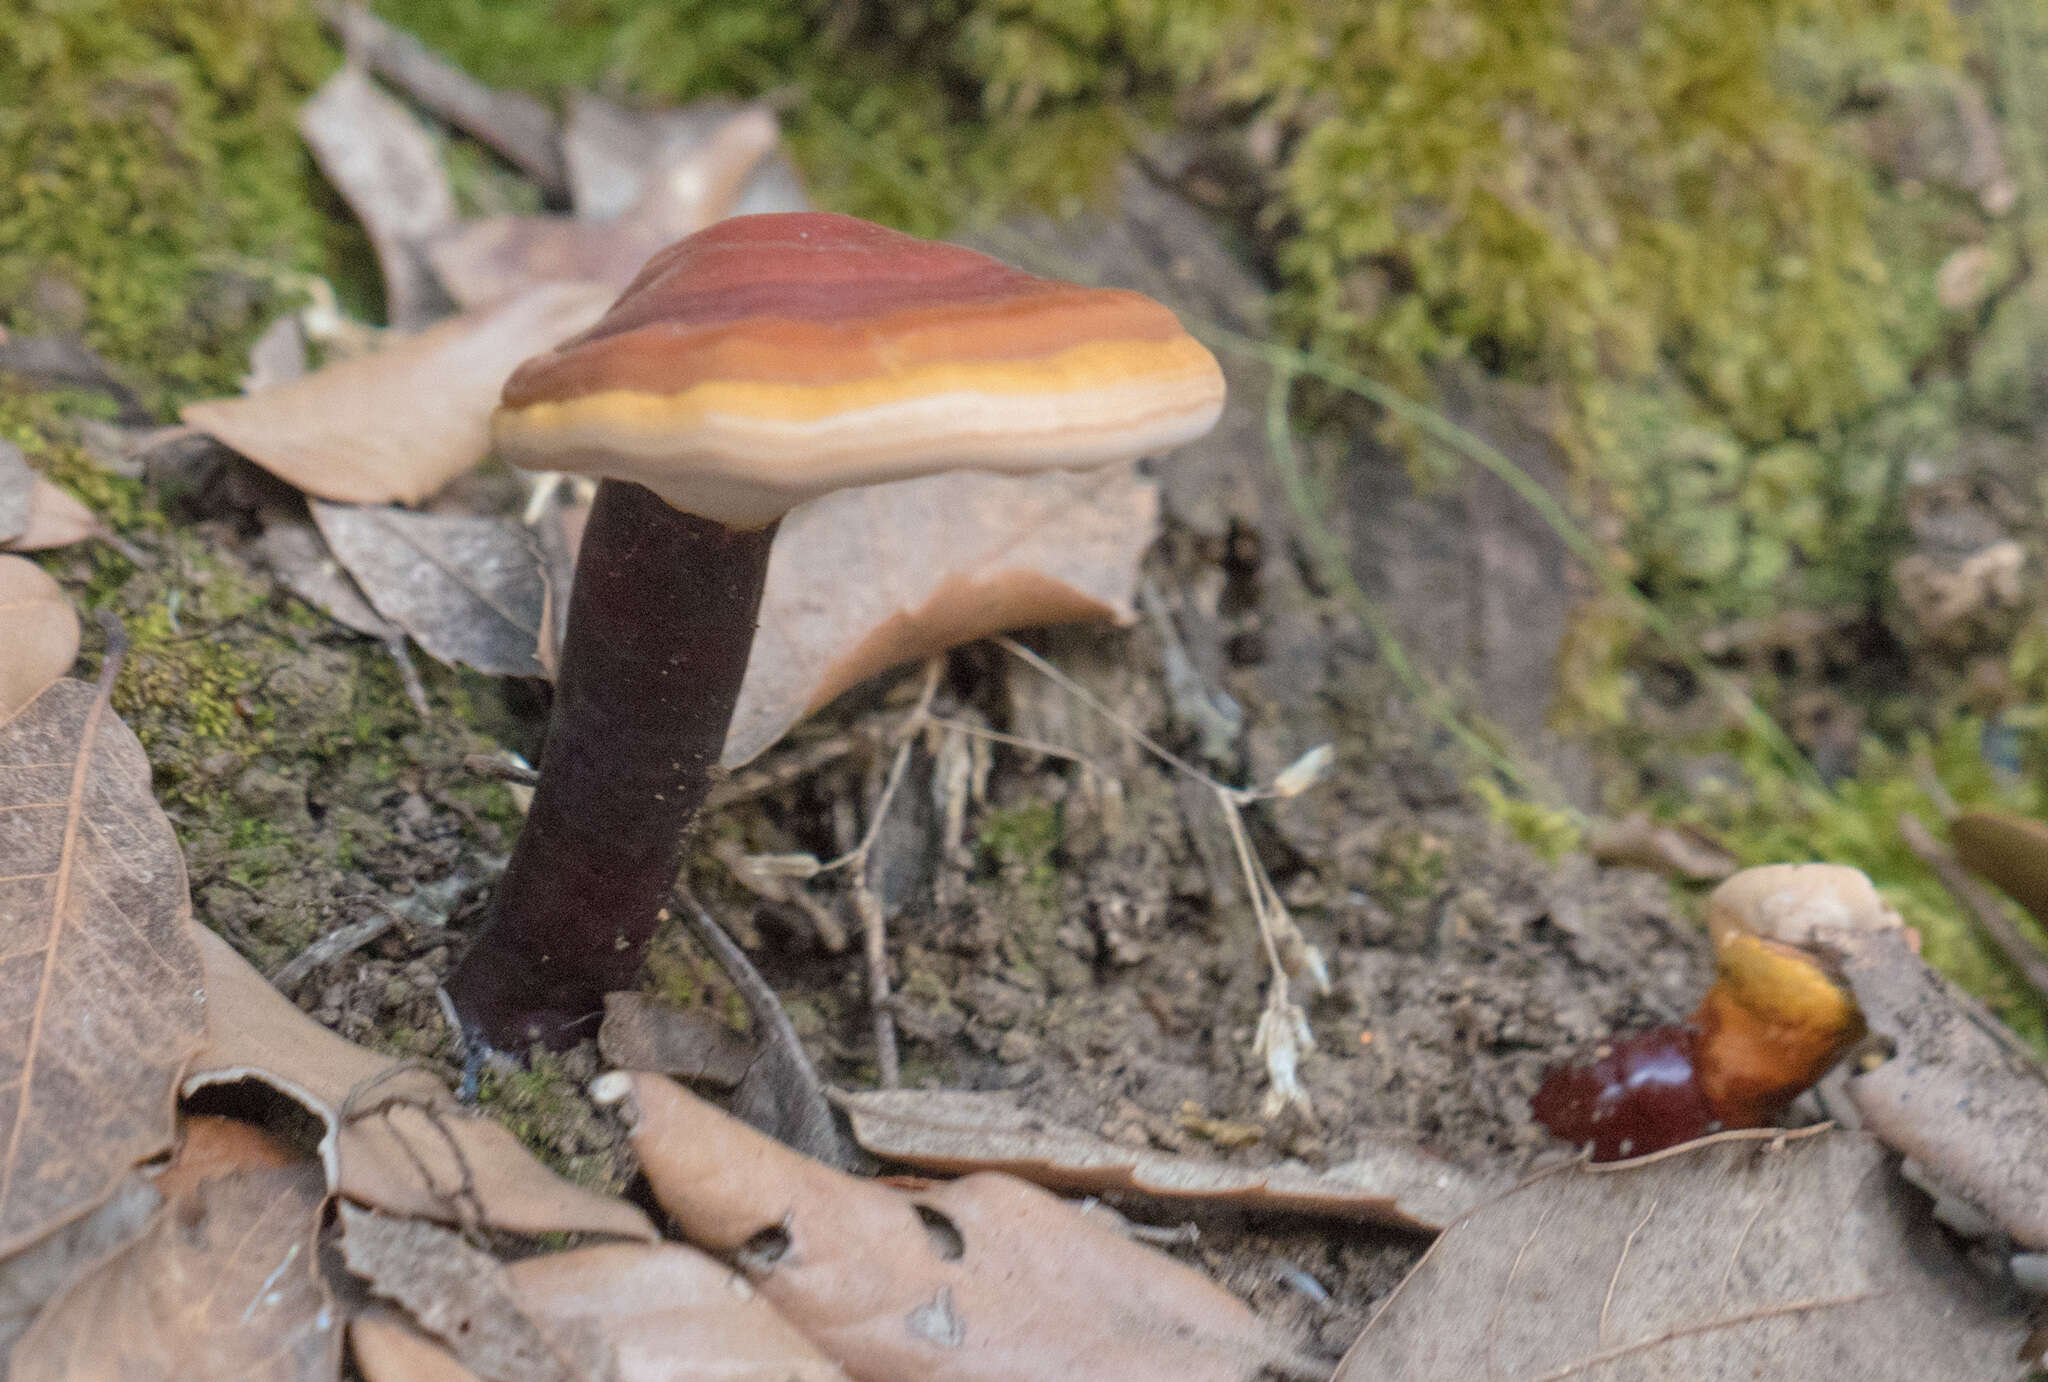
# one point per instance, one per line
(660, 623)
(2019, 952)
(1283, 1025)
(874, 929)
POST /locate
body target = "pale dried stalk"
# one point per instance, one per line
(1283, 1031)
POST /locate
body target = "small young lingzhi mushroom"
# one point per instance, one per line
(759, 363)
(1774, 1021)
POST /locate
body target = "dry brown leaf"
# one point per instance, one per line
(396, 425)
(2011, 851)
(462, 1296)
(1746, 1256)
(55, 519)
(611, 152)
(1677, 851)
(225, 1283)
(481, 261)
(941, 561)
(469, 590)
(385, 164)
(401, 1142)
(31, 1278)
(1959, 1095)
(632, 1312)
(865, 579)
(39, 630)
(99, 977)
(982, 1278)
(957, 1131)
(387, 1349)
(669, 1313)
(303, 562)
(643, 1033)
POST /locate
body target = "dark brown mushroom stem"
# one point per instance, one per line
(660, 623)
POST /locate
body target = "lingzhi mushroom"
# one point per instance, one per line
(1776, 1019)
(754, 365)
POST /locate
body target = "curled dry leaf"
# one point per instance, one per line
(865, 579)
(100, 982)
(225, 1282)
(384, 162)
(1748, 1255)
(1677, 851)
(2010, 851)
(396, 425)
(1958, 1095)
(469, 590)
(960, 1282)
(39, 630)
(956, 1132)
(633, 1313)
(482, 261)
(398, 1139)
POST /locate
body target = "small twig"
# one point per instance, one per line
(2021, 953)
(117, 652)
(331, 947)
(1216, 718)
(809, 1126)
(1019, 741)
(867, 903)
(409, 675)
(128, 551)
(517, 126)
(502, 767)
(1095, 703)
(793, 766)
(1929, 781)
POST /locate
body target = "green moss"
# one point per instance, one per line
(152, 181)
(1020, 841)
(1021, 844)
(1411, 867)
(182, 689)
(1551, 833)
(545, 1107)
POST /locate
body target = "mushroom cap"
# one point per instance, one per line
(1795, 904)
(769, 359)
